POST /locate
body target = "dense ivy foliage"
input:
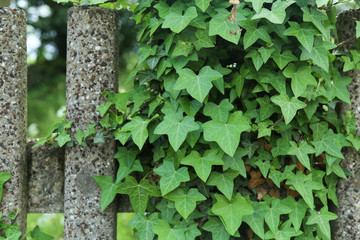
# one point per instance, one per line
(231, 130)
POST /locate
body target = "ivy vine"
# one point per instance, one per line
(231, 129)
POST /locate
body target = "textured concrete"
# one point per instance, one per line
(46, 178)
(347, 226)
(92, 65)
(13, 89)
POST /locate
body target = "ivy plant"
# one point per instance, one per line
(231, 129)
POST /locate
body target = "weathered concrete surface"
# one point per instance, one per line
(347, 226)
(13, 115)
(92, 65)
(46, 178)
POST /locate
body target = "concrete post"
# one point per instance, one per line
(13, 111)
(92, 67)
(347, 226)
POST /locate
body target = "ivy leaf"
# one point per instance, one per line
(171, 178)
(253, 33)
(258, 4)
(236, 163)
(256, 220)
(198, 86)
(138, 128)
(337, 88)
(256, 58)
(264, 166)
(178, 22)
(305, 185)
(319, 53)
(297, 215)
(272, 215)
(301, 77)
(12, 233)
(165, 232)
(182, 49)
(266, 53)
(190, 107)
(321, 219)
(217, 229)
(145, 225)
(282, 59)
(328, 143)
(127, 163)
(232, 212)
(203, 165)
(227, 135)
(145, 52)
(288, 106)
(277, 14)
(223, 181)
(4, 177)
(357, 29)
(219, 112)
(316, 17)
(192, 232)
(138, 192)
(285, 232)
(301, 152)
(203, 40)
(63, 138)
(185, 202)
(37, 234)
(175, 129)
(305, 34)
(202, 4)
(219, 25)
(266, 109)
(263, 129)
(108, 190)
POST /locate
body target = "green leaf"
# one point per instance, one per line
(182, 49)
(258, 4)
(165, 232)
(227, 135)
(13, 233)
(217, 229)
(265, 53)
(285, 232)
(220, 25)
(190, 107)
(178, 22)
(4, 177)
(236, 163)
(297, 215)
(171, 178)
(338, 88)
(219, 112)
(203, 165)
(316, 17)
(36, 234)
(301, 152)
(145, 52)
(256, 220)
(176, 129)
(305, 185)
(304, 33)
(288, 106)
(202, 4)
(198, 86)
(138, 192)
(63, 138)
(185, 202)
(321, 219)
(223, 181)
(253, 33)
(138, 128)
(264, 166)
(282, 59)
(319, 53)
(232, 212)
(203, 40)
(256, 58)
(266, 109)
(328, 143)
(357, 29)
(144, 225)
(277, 14)
(127, 163)
(272, 215)
(319, 129)
(108, 190)
(263, 129)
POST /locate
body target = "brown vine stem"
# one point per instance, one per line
(343, 42)
(278, 122)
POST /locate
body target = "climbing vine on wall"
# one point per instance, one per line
(231, 129)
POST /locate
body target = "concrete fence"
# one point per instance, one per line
(54, 180)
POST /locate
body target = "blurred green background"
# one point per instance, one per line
(46, 43)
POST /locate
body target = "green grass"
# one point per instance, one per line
(53, 224)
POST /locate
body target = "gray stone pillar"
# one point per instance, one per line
(13, 117)
(92, 67)
(347, 226)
